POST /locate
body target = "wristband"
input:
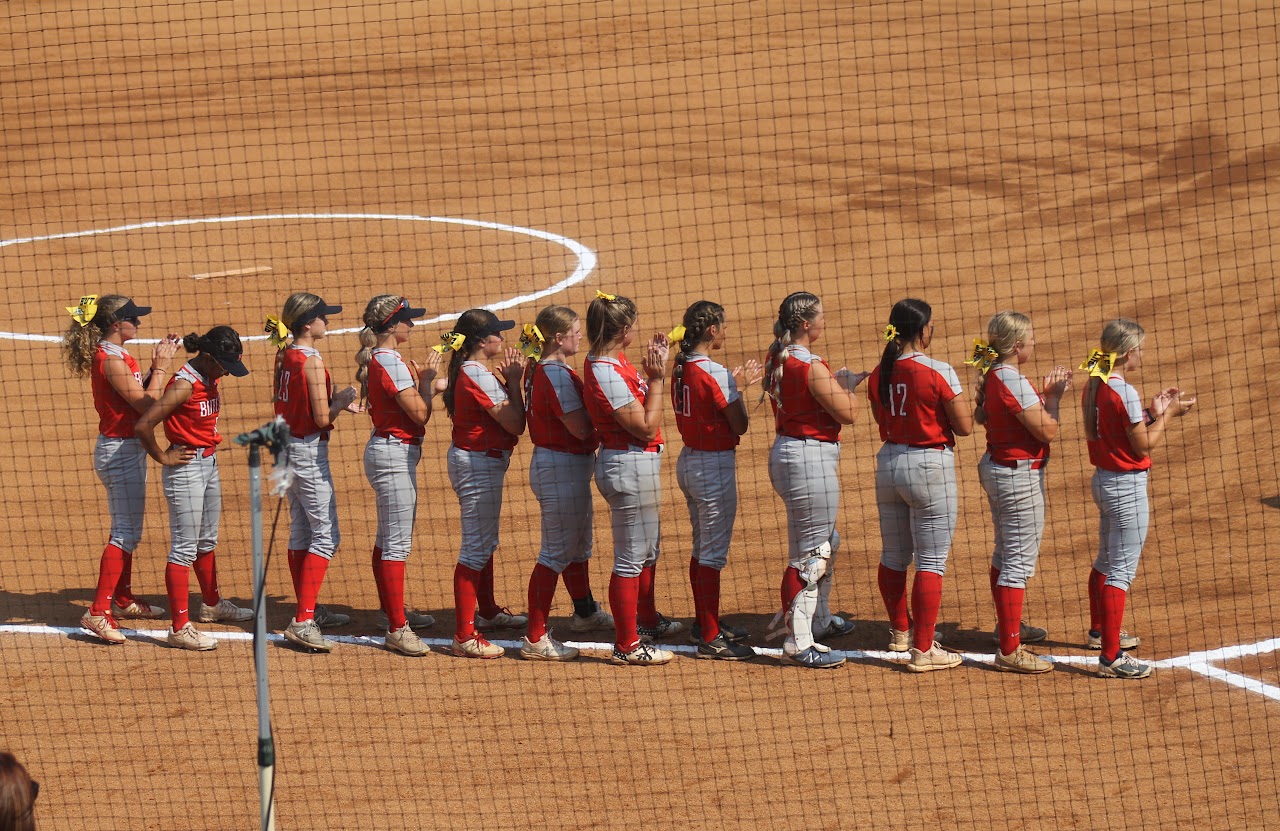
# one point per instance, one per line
(1147, 418)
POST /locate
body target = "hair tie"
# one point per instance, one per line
(86, 311)
(276, 331)
(609, 297)
(890, 333)
(984, 356)
(450, 342)
(1100, 364)
(531, 342)
(677, 334)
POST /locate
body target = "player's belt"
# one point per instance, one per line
(1036, 464)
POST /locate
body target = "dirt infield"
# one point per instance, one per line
(1076, 161)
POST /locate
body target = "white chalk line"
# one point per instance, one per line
(1198, 662)
(586, 257)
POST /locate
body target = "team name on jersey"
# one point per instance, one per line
(210, 407)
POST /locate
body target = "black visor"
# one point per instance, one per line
(496, 327)
(131, 310)
(230, 361)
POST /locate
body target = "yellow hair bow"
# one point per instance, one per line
(531, 341)
(276, 331)
(450, 342)
(1100, 364)
(983, 357)
(890, 333)
(85, 312)
(677, 334)
(610, 297)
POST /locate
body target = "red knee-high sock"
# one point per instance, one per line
(791, 586)
(893, 589)
(109, 567)
(176, 578)
(623, 600)
(1096, 581)
(1009, 617)
(1112, 616)
(310, 576)
(378, 580)
(206, 569)
(995, 581)
(484, 591)
(646, 602)
(124, 586)
(466, 586)
(542, 588)
(707, 601)
(926, 600)
(393, 585)
(295, 569)
(577, 580)
(694, 576)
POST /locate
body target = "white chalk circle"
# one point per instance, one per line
(586, 257)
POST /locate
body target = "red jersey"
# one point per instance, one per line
(475, 392)
(916, 412)
(1119, 408)
(796, 412)
(706, 388)
(389, 375)
(1006, 393)
(293, 399)
(610, 384)
(115, 417)
(195, 422)
(556, 390)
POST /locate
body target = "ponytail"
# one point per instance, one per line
(907, 320)
(1120, 336)
(80, 342)
(698, 318)
(795, 309)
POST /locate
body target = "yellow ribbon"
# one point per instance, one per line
(450, 342)
(603, 296)
(983, 357)
(1100, 364)
(276, 331)
(85, 312)
(677, 334)
(531, 341)
(890, 333)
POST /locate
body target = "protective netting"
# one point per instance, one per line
(1077, 162)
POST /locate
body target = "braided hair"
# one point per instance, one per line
(909, 317)
(375, 316)
(698, 318)
(796, 309)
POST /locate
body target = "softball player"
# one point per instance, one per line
(564, 455)
(810, 405)
(399, 400)
(920, 408)
(303, 396)
(1121, 436)
(1020, 424)
(189, 408)
(94, 345)
(488, 417)
(627, 415)
(711, 417)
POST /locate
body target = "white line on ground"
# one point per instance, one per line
(586, 257)
(235, 272)
(1197, 663)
